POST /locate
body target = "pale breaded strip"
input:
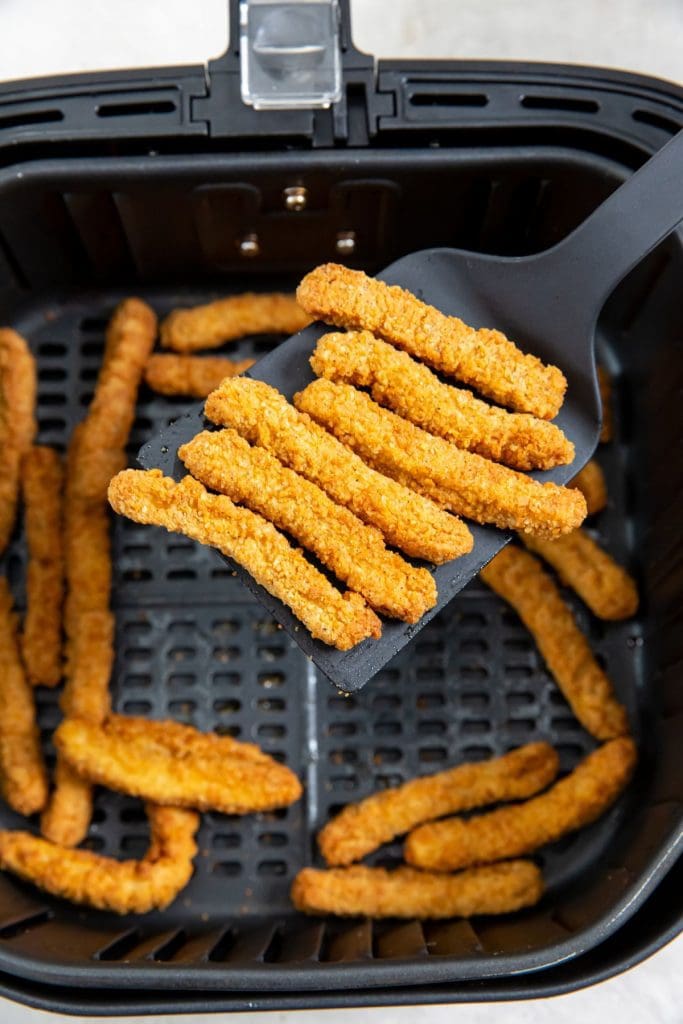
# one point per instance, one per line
(484, 359)
(124, 887)
(354, 552)
(188, 330)
(592, 484)
(573, 802)
(460, 481)
(360, 891)
(145, 765)
(342, 620)
(360, 828)
(521, 581)
(23, 779)
(407, 520)
(410, 389)
(171, 374)
(583, 565)
(17, 422)
(605, 384)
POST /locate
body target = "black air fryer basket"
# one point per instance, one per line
(149, 183)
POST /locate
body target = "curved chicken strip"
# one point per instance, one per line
(360, 828)
(484, 359)
(408, 521)
(460, 481)
(577, 800)
(197, 376)
(354, 552)
(17, 422)
(592, 484)
(188, 330)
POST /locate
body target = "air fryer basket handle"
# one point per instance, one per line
(344, 26)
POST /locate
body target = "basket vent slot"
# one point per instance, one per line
(119, 947)
(29, 117)
(666, 124)
(448, 99)
(25, 923)
(137, 108)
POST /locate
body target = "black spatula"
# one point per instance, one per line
(548, 304)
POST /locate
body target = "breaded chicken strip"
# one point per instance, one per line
(17, 422)
(605, 383)
(342, 620)
(354, 552)
(484, 359)
(459, 481)
(125, 887)
(577, 800)
(519, 579)
(410, 389)
(170, 374)
(407, 520)
(187, 330)
(592, 484)
(583, 565)
(360, 828)
(359, 891)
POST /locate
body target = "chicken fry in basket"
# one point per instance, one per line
(124, 887)
(17, 422)
(483, 359)
(573, 802)
(355, 553)
(197, 376)
(410, 389)
(591, 482)
(360, 828)
(407, 520)
(342, 620)
(189, 330)
(521, 581)
(459, 481)
(360, 891)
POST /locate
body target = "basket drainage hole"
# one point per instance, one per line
(25, 924)
(227, 868)
(272, 867)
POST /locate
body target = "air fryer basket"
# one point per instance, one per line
(145, 184)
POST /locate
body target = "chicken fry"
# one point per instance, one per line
(605, 384)
(342, 620)
(591, 482)
(375, 892)
(459, 481)
(356, 553)
(360, 828)
(171, 374)
(188, 330)
(519, 579)
(410, 389)
(484, 359)
(17, 422)
(124, 887)
(577, 800)
(407, 520)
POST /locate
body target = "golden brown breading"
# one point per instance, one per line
(520, 580)
(410, 389)
(202, 771)
(408, 521)
(583, 565)
(17, 422)
(484, 359)
(592, 484)
(125, 887)
(360, 828)
(460, 481)
(89, 664)
(41, 642)
(342, 620)
(187, 330)
(576, 800)
(354, 552)
(605, 384)
(360, 891)
(170, 374)
(66, 819)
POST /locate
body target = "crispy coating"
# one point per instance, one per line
(41, 642)
(66, 819)
(187, 330)
(17, 422)
(189, 769)
(605, 384)
(592, 484)
(171, 374)
(360, 828)
(90, 661)
(576, 800)
(124, 887)
(342, 620)
(484, 359)
(407, 520)
(583, 565)
(521, 581)
(460, 481)
(410, 389)
(23, 780)
(360, 891)
(356, 553)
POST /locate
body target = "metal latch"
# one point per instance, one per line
(290, 53)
